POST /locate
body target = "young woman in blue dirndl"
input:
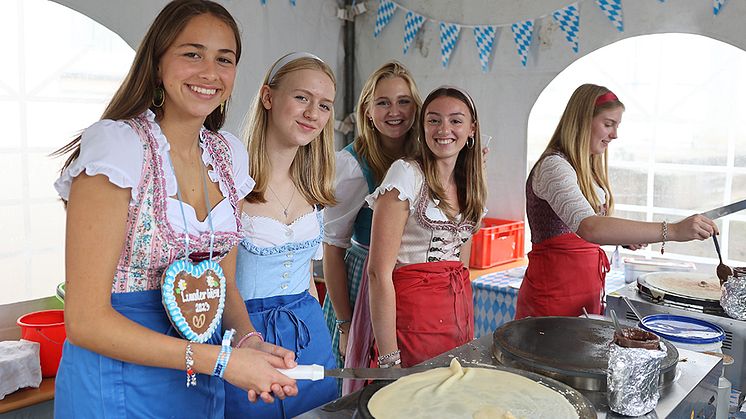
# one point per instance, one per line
(290, 140)
(152, 186)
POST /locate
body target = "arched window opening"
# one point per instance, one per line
(681, 146)
(61, 70)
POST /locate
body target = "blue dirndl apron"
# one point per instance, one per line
(90, 385)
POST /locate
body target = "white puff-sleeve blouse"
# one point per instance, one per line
(351, 188)
(113, 148)
(429, 235)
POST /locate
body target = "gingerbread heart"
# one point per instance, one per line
(194, 297)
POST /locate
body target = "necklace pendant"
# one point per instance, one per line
(285, 212)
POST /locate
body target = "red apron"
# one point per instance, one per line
(434, 309)
(564, 274)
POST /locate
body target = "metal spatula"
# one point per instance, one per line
(723, 271)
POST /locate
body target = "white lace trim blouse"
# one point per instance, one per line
(268, 232)
(556, 182)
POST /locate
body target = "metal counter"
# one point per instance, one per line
(694, 389)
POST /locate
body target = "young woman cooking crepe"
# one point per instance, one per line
(153, 170)
(290, 139)
(388, 107)
(424, 214)
(569, 205)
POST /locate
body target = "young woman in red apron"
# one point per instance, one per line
(569, 203)
(424, 213)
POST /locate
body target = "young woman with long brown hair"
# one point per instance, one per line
(424, 214)
(154, 185)
(569, 205)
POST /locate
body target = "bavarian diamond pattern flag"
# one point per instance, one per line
(522, 32)
(412, 24)
(449, 33)
(717, 5)
(613, 10)
(569, 21)
(485, 37)
(386, 10)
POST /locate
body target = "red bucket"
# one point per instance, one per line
(48, 328)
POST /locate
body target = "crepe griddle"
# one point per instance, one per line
(573, 350)
(582, 405)
(647, 286)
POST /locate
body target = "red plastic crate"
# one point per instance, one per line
(496, 243)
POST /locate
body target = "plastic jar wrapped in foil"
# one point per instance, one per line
(633, 373)
(733, 297)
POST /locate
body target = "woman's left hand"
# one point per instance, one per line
(289, 359)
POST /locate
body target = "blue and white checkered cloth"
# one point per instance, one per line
(569, 21)
(485, 38)
(522, 34)
(386, 10)
(449, 33)
(412, 24)
(613, 10)
(495, 297)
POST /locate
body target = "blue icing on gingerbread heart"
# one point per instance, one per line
(170, 290)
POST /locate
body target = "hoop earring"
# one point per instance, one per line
(470, 142)
(158, 97)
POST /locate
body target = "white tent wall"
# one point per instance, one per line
(506, 94)
(267, 33)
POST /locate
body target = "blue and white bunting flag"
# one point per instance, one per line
(485, 37)
(386, 10)
(613, 10)
(263, 2)
(449, 33)
(522, 33)
(717, 5)
(569, 21)
(292, 3)
(412, 24)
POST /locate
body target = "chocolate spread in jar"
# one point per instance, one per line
(633, 337)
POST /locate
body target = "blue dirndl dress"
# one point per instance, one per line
(293, 321)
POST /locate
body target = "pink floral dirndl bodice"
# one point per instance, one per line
(152, 244)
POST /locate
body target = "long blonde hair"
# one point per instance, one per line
(368, 143)
(468, 173)
(136, 93)
(312, 170)
(573, 139)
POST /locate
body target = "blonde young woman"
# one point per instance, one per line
(387, 110)
(424, 214)
(156, 182)
(290, 141)
(569, 205)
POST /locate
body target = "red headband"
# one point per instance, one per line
(606, 97)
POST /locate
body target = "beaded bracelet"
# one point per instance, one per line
(338, 323)
(665, 236)
(189, 360)
(225, 353)
(247, 336)
(390, 359)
